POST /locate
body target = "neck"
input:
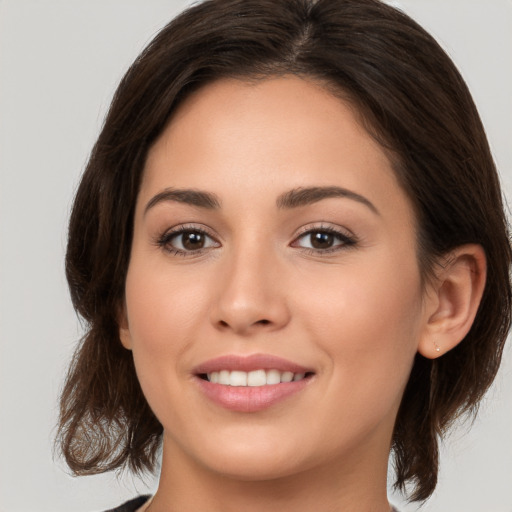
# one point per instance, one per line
(358, 483)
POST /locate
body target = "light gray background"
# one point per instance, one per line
(60, 61)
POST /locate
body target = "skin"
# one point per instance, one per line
(356, 313)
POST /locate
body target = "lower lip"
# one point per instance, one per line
(249, 398)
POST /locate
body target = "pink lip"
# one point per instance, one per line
(249, 399)
(250, 363)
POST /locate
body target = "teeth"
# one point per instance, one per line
(254, 378)
(273, 376)
(286, 377)
(257, 378)
(223, 377)
(238, 379)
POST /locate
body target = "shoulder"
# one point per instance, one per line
(130, 506)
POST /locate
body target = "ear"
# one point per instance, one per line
(124, 328)
(452, 300)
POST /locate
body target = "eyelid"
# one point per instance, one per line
(347, 238)
(162, 240)
(324, 226)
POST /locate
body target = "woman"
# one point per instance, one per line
(290, 249)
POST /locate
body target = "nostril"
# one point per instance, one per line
(243, 325)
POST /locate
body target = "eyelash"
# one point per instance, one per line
(346, 240)
(164, 241)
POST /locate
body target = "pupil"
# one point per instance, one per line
(193, 241)
(321, 240)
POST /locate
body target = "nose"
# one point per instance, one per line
(251, 297)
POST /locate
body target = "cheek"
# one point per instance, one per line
(162, 310)
(368, 319)
(368, 328)
(374, 289)
(160, 303)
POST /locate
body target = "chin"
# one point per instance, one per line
(246, 455)
(255, 467)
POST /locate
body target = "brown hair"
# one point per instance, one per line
(411, 98)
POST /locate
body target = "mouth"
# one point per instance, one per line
(253, 378)
(251, 383)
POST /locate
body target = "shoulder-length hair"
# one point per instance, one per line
(410, 97)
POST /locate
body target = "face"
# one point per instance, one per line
(272, 243)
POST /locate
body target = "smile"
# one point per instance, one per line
(251, 383)
(254, 378)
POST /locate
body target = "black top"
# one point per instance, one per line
(133, 505)
(130, 506)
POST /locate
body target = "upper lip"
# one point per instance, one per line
(234, 362)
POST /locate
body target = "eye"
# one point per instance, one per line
(187, 240)
(323, 240)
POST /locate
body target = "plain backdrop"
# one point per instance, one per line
(60, 61)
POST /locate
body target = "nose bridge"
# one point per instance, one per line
(250, 296)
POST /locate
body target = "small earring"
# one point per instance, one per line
(438, 348)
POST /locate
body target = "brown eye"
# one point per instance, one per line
(187, 241)
(321, 240)
(192, 240)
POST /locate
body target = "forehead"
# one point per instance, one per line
(284, 133)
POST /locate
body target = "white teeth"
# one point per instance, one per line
(238, 379)
(286, 377)
(254, 378)
(273, 376)
(224, 377)
(257, 378)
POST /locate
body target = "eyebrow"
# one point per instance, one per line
(294, 198)
(187, 196)
(304, 196)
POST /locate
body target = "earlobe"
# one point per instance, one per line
(124, 330)
(453, 300)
